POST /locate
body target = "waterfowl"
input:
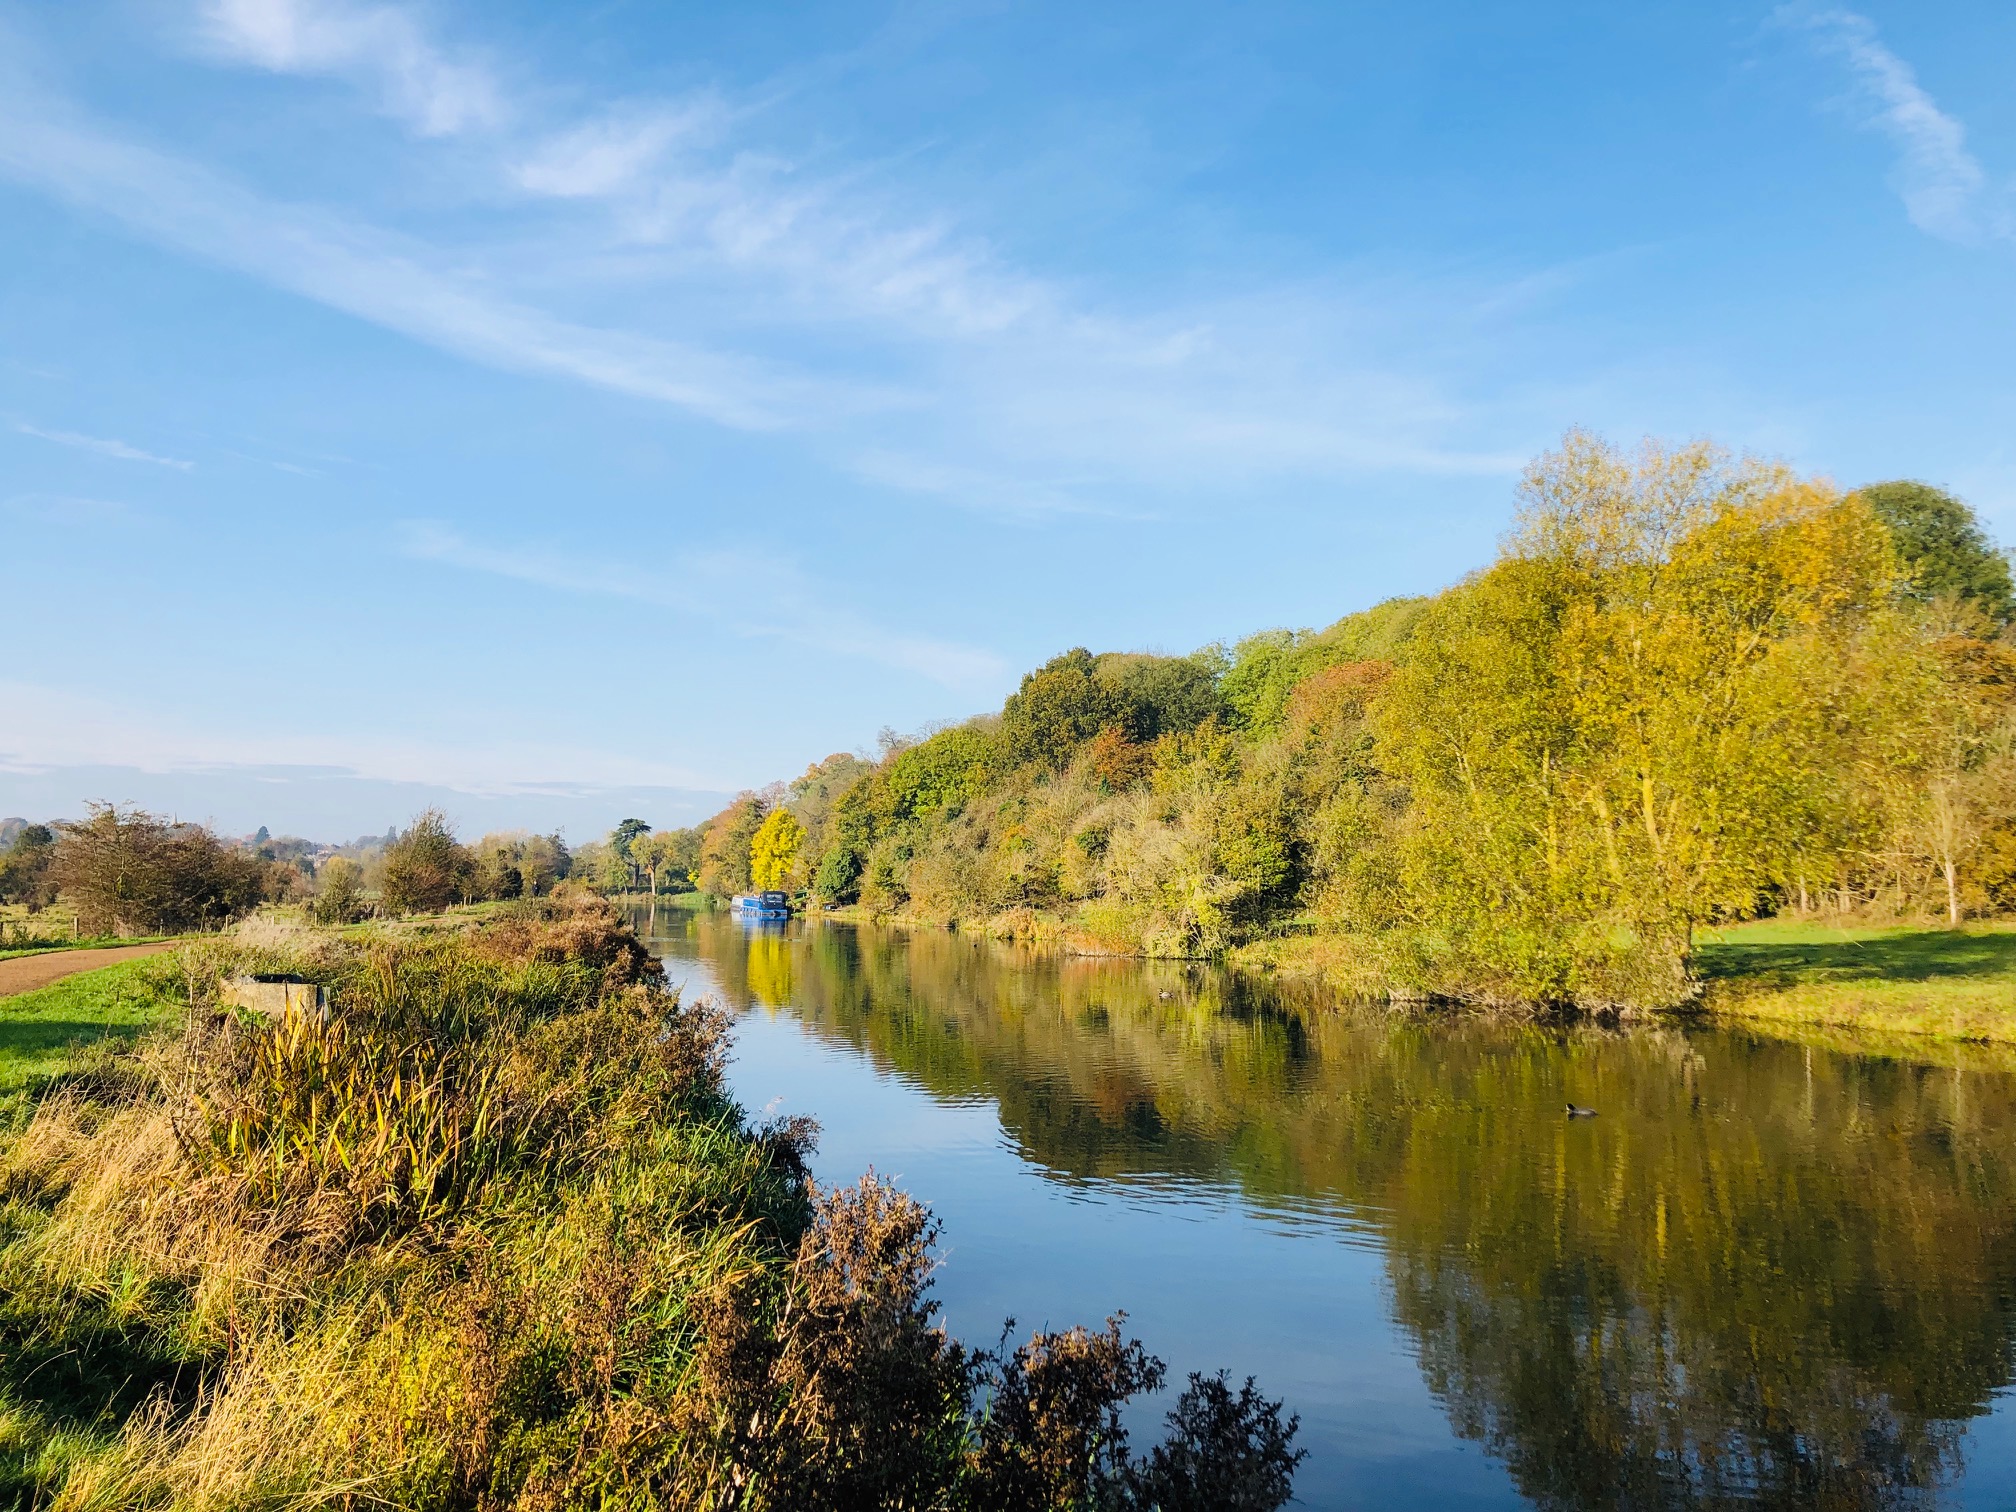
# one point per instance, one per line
(1575, 1112)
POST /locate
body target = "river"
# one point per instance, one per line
(1763, 1275)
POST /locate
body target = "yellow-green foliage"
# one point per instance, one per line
(1644, 716)
(313, 1259)
(773, 850)
(1692, 688)
(725, 846)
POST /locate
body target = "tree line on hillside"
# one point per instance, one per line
(1692, 688)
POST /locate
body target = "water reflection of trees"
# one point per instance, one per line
(1764, 1274)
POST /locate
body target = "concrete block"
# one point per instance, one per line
(276, 995)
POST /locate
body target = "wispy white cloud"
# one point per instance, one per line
(1944, 189)
(925, 362)
(104, 446)
(382, 278)
(611, 154)
(750, 211)
(51, 728)
(672, 204)
(831, 252)
(759, 596)
(381, 47)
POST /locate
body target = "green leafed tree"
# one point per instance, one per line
(621, 839)
(24, 867)
(1640, 719)
(339, 893)
(130, 871)
(666, 856)
(724, 848)
(1060, 706)
(1943, 547)
(426, 868)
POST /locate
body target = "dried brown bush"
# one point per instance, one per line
(127, 871)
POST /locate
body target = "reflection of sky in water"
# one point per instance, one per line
(1207, 1280)
(1292, 1287)
(1205, 1284)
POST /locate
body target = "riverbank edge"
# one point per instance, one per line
(1880, 1012)
(1958, 1014)
(1873, 1010)
(142, 1001)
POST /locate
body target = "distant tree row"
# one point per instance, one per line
(425, 869)
(123, 870)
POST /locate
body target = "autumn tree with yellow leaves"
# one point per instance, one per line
(774, 850)
(1643, 717)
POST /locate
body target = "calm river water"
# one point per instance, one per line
(1765, 1275)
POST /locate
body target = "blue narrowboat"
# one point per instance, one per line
(763, 905)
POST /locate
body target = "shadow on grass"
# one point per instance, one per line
(73, 1372)
(45, 1039)
(1919, 956)
(84, 1372)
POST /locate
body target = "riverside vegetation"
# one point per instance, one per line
(492, 1235)
(1693, 690)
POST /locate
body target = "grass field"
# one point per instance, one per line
(23, 933)
(39, 1029)
(1953, 983)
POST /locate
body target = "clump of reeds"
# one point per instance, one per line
(492, 1235)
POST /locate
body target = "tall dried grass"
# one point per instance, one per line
(491, 1236)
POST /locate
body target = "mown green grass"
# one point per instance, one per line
(39, 1030)
(1953, 983)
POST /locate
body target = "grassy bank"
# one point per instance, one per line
(493, 1235)
(1955, 984)
(1952, 983)
(40, 1030)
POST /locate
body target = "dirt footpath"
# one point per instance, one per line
(26, 973)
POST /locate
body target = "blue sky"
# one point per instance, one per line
(561, 412)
